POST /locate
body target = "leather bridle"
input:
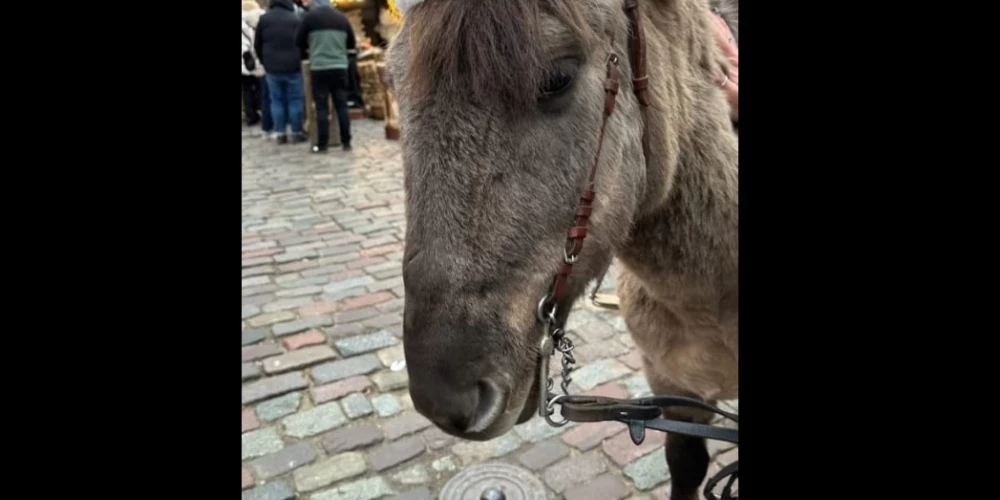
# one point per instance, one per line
(642, 413)
(640, 85)
(637, 49)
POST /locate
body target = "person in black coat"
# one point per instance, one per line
(370, 13)
(274, 43)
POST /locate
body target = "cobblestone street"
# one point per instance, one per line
(326, 414)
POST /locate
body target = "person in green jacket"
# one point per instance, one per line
(327, 36)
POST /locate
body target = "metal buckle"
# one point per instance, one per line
(570, 259)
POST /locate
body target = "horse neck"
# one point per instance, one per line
(686, 228)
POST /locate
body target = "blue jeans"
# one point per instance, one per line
(266, 123)
(286, 94)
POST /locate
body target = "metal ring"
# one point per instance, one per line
(613, 58)
(724, 82)
(555, 400)
(540, 311)
(550, 410)
(556, 333)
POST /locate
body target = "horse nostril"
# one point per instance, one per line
(491, 404)
(470, 410)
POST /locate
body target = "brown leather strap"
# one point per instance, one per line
(640, 85)
(637, 45)
(601, 409)
(576, 234)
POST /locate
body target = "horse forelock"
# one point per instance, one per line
(489, 52)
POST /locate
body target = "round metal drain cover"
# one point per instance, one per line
(494, 481)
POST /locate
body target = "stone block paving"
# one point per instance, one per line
(326, 413)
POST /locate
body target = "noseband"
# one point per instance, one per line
(638, 414)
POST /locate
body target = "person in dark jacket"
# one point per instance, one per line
(274, 43)
(300, 9)
(370, 19)
(328, 35)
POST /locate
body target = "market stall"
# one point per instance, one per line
(375, 23)
(380, 21)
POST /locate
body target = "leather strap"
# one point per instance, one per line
(645, 413)
(733, 471)
(576, 234)
(596, 408)
(688, 429)
(667, 401)
(637, 45)
(640, 85)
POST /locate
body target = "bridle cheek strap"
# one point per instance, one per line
(640, 85)
(576, 234)
(637, 49)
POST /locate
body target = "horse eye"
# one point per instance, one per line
(560, 77)
(556, 84)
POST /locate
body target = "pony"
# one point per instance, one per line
(501, 103)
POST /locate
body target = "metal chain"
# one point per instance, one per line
(564, 345)
(554, 339)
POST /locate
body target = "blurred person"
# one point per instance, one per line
(266, 123)
(249, 80)
(300, 8)
(255, 100)
(371, 17)
(328, 36)
(274, 42)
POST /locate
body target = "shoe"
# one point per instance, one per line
(282, 139)
(267, 135)
(319, 149)
(299, 138)
(347, 147)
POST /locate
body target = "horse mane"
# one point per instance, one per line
(488, 50)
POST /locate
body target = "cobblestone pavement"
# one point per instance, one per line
(326, 414)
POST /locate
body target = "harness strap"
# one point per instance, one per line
(640, 85)
(576, 234)
(733, 471)
(688, 429)
(646, 413)
(637, 43)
